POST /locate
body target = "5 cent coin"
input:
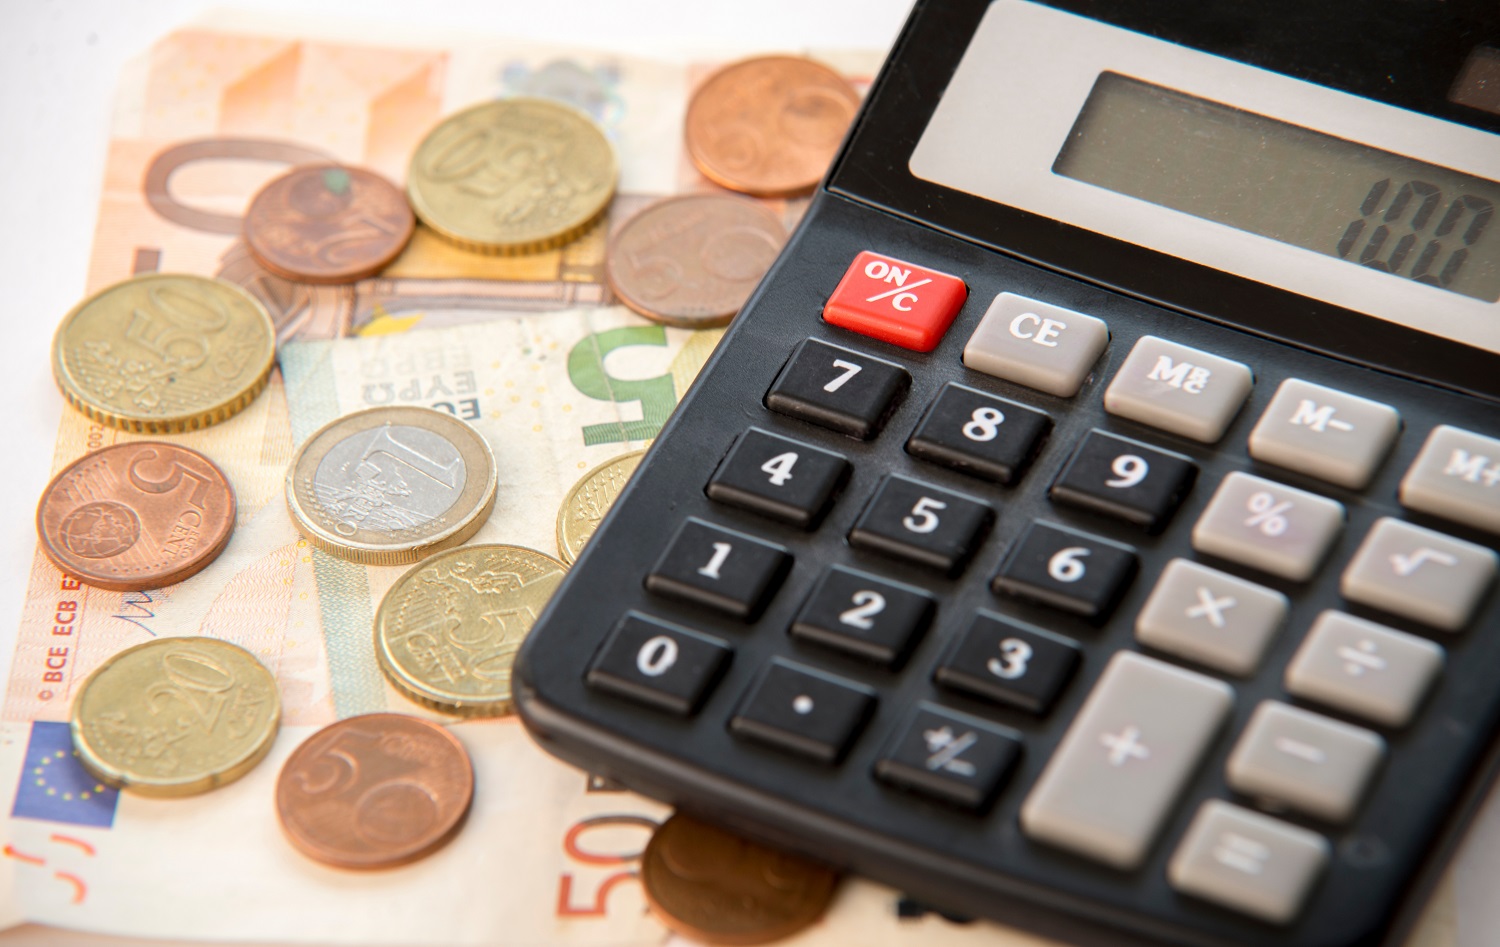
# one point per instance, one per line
(591, 497)
(710, 885)
(692, 261)
(447, 632)
(164, 353)
(769, 126)
(328, 224)
(175, 716)
(389, 486)
(512, 176)
(374, 791)
(136, 516)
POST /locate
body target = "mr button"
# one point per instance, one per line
(895, 302)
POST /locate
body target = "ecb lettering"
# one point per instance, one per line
(657, 396)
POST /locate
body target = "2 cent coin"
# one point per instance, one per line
(328, 224)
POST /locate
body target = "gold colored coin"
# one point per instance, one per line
(388, 486)
(176, 716)
(159, 354)
(588, 501)
(447, 632)
(513, 176)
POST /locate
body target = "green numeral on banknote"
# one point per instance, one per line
(657, 395)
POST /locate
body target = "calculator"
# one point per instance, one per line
(1090, 522)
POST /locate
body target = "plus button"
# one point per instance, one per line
(1125, 746)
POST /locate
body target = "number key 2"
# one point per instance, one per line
(723, 570)
(1009, 663)
(867, 617)
(779, 478)
(837, 388)
(1125, 479)
(978, 434)
(1068, 570)
(920, 523)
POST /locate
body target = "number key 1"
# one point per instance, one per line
(1126, 479)
(720, 569)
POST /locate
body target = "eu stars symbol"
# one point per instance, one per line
(54, 785)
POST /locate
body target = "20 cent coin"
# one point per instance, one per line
(591, 497)
(447, 632)
(175, 716)
(388, 486)
(164, 353)
(328, 224)
(374, 791)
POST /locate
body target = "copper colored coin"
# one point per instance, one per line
(692, 261)
(328, 224)
(375, 791)
(709, 885)
(136, 516)
(769, 126)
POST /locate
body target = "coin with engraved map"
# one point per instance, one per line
(692, 261)
(769, 126)
(374, 791)
(328, 224)
(175, 716)
(388, 486)
(591, 497)
(447, 632)
(512, 176)
(164, 353)
(140, 515)
(710, 885)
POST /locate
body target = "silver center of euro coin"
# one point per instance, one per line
(389, 479)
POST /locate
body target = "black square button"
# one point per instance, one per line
(978, 434)
(867, 617)
(920, 523)
(838, 388)
(1067, 569)
(951, 757)
(1009, 663)
(803, 711)
(657, 664)
(779, 478)
(719, 568)
(1126, 479)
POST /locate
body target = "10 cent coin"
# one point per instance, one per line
(591, 497)
(388, 486)
(328, 224)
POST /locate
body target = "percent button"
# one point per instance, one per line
(1268, 526)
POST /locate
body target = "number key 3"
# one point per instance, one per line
(1000, 660)
(1125, 479)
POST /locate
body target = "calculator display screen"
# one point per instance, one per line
(1370, 207)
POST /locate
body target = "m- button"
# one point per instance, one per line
(1324, 433)
(1031, 343)
(895, 301)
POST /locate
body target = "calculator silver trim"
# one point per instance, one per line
(1024, 78)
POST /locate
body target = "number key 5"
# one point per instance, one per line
(779, 478)
(920, 523)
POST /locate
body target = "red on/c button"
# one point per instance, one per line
(896, 302)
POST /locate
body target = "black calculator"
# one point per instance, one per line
(1091, 521)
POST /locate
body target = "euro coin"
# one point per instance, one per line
(374, 791)
(769, 126)
(591, 497)
(388, 486)
(447, 632)
(160, 354)
(175, 716)
(512, 176)
(692, 261)
(136, 516)
(328, 224)
(712, 886)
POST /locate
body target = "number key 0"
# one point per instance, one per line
(657, 664)
(1126, 479)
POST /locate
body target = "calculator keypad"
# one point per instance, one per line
(658, 664)
(834, 387)
(919, 523)
(779, 478)
(868, 617)
(1067, 570)
(979, 434)
(1364, 669)
(1268, 526)
(719, 569)
(951, 757)
(1116, 476)
(803, 711)
(1008, 663)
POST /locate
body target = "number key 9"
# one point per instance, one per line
(1125, 479)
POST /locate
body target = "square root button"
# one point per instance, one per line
(1031, 343)
(895, 301)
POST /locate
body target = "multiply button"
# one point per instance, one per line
(1268, 526)
(1363, 668)
(1031, 343)
(951, 757)
(1419, 574)
(803, 711)
(1211, 617)
(1324, 433)
(1456, 476)
(895, 301)
(1178, 389)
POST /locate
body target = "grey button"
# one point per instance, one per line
(1363, 668)
(1112, 781)
(1269, 526)
(1419, 574)
(1031, 343)
(1324, 433)
(1248, 862)
(1304, 760)
(1457, 477)
(1210, 617)
(1178, 389)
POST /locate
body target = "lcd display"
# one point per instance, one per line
(1372, 208)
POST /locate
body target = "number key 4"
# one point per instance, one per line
(779, 478)
(1068, 570)
(1126, 479)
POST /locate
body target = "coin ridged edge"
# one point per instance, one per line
(519, 249)
(173, 424)
(158, 790)
(565, 553)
